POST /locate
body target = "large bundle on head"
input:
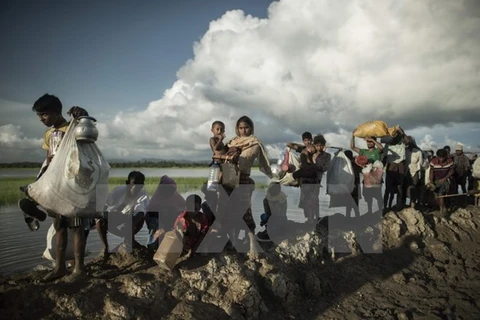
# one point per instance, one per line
(375, 128)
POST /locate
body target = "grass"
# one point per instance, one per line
(10, 193)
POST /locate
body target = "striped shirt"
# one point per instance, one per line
(441, 169)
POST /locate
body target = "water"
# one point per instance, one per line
(21, 249)
(123, 172)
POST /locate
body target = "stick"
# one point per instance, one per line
(471, 192)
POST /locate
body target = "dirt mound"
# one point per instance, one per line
(428, 268)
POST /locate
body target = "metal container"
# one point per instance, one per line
(86, 129)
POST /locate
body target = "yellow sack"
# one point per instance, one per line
(375, 128)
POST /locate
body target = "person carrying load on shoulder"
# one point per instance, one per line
(374, 148)
(370, 155)
(291, 161)
(49, 110)
(307, 139)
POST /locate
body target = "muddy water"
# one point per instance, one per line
(21, 249)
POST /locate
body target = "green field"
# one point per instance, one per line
(10, 194)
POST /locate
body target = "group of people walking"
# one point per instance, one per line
(410, 173)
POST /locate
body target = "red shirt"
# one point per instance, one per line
(199, 223)
(192, 228)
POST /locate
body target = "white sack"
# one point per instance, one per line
(293, 159)
(340, 176)
(49, 252)
(476, 169)
(76, 181)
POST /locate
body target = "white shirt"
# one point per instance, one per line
(396, 153)
(414, 160)
(117, 197)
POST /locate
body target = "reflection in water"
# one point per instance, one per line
(21, 250)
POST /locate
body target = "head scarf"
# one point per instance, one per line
(164, 195)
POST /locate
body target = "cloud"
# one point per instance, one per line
(318, 66)
(16, 147)
(323, 66)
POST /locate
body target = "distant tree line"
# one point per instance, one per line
(128, 164)
(21, 165)
(158, 164)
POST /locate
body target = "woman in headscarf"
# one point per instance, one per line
(245, 148)
(162, 210)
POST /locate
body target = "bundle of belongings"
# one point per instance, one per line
(288, 163)
(375, 128)
(372, 173)
(76, 182)
(340, 177)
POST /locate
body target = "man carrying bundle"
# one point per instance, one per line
(49, 110)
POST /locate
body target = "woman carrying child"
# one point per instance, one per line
(245, 149)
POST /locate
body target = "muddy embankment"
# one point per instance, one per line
(429, 268)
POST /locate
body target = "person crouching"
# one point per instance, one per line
(275, 202)
(193, 223)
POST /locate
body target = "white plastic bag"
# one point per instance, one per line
(293, 160)
(340, 176)
(76, 181)
(476, 169)
(50, 252)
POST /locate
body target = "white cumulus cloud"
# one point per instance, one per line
(319, 66)
(16, 146)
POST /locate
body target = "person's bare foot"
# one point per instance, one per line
(55, 274)
(253, 255)
(75, 276)
(103, 255)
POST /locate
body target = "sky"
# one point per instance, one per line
(156, 74)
